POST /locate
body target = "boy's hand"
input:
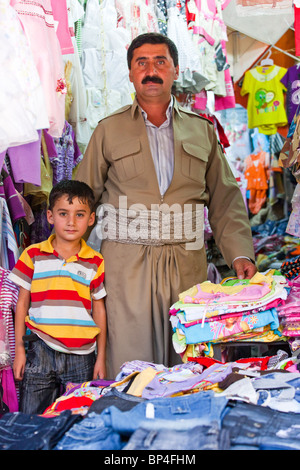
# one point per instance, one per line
(99, 317)
(19, 365)
(99, 369)
(20, 330)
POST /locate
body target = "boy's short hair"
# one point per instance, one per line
(72, 188)
(152, 38)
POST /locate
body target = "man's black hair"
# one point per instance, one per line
(152, 38)
(71, 189)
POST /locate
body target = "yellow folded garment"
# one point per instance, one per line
(141, 379)
(210, 288)
(125, 380)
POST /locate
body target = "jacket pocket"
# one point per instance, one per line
(194, 160)
(127, 159)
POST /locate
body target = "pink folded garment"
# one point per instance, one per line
(250, 292)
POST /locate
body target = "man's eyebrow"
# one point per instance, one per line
(145, 58)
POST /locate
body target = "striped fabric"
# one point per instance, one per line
(161, 141)
(61, 295)
(8, 301)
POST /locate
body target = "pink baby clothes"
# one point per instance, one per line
(10, 396)
(250, 292)
(38, 24)
(60, 14)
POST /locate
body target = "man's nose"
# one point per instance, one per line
(151, 70)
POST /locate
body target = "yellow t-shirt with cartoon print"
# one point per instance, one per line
(266, 105)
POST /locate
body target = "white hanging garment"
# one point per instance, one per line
(22, 103)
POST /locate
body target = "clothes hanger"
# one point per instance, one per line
(267, 61)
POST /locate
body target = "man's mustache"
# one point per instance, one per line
(153, 79)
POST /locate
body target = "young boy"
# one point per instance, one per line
(61, 301)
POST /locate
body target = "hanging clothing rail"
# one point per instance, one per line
(269, 48)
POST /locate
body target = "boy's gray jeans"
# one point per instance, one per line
(47, 373)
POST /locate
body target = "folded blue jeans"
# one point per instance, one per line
(20, 431)
(279, 391)
(158, 437)
(111, 429)
(261, 428)
(121, 400)
(205, 407)
(90, 434)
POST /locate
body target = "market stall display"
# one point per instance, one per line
(59, 64)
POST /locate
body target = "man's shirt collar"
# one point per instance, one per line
(173, 105)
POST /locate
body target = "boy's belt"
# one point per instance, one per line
(30, 337)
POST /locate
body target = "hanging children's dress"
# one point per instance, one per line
(64, 153)
(205, 21)
(39, 26)
(265, 107)
(291, 81)
(104, 43)
(191, 76)
(22, 100)
(290, 153)
(293, 226)
(257, 180)
(137, 16)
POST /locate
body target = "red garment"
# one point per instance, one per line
(297, 30)
(69, 404)
(261, 362)
(218, 128)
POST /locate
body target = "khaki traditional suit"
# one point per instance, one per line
(143, 280)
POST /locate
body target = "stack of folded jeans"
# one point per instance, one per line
(253, 427)
(20, 431)
(251, 404)
(147, 424)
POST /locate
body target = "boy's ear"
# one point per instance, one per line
(49, 216)
(92, 219)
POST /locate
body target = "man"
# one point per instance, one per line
(159, 157)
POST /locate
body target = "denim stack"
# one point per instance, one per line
(253, 404)
(254, 427)
(186, 422)
(20, 431)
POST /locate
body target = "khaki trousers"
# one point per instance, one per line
(142, 283)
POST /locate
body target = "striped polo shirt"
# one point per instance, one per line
(61, 295)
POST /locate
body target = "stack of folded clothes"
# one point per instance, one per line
(203, 404)
(289, 314)
(234, 310)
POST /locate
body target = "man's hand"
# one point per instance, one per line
(244, 268)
